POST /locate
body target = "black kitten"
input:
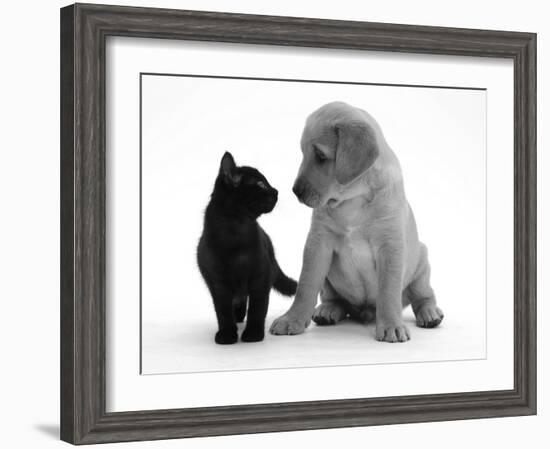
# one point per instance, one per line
(236, 256)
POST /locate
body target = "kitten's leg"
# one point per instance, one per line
(240, 308)
(227, 327)
(257, 310)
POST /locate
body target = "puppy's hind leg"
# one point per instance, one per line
(364, 314)
(421, 295)
(332, 308)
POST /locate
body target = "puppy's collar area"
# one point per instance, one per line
(336, 204)
(351, 191)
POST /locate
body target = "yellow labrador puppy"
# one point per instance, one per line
(362, 252)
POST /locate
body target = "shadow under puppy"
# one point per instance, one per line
(236, 256)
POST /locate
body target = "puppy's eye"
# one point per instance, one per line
(320, 156)
(261, 185)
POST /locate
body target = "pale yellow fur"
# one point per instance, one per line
(363, 248)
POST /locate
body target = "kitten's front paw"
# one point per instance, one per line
(392, 333)
(226, 337)
(289, 325)
(251, 335)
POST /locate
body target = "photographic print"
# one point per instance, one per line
(276, 223)
(293, 223)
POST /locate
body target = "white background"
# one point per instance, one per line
(29, 239)
(189, 122)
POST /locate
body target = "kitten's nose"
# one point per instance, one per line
(274, 195)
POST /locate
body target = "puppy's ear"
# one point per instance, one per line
(227, 170)
(356, 149)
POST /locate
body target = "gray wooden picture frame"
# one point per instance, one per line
(84, 29)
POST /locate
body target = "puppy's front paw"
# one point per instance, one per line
(226, 337)
(429, 316)
(392, 333)
(289, 325)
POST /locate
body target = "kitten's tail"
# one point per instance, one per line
(283, 284)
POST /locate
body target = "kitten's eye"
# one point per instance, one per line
(320, 156)
(261, 185)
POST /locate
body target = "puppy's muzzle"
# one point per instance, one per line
(305, 193)
(299, 189)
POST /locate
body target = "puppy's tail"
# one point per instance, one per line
(283, 284)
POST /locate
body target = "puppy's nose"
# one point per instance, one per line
(298, 189)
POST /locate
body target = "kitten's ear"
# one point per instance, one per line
(227, 164)
(227, 169)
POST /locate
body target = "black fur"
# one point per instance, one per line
(235, 255)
